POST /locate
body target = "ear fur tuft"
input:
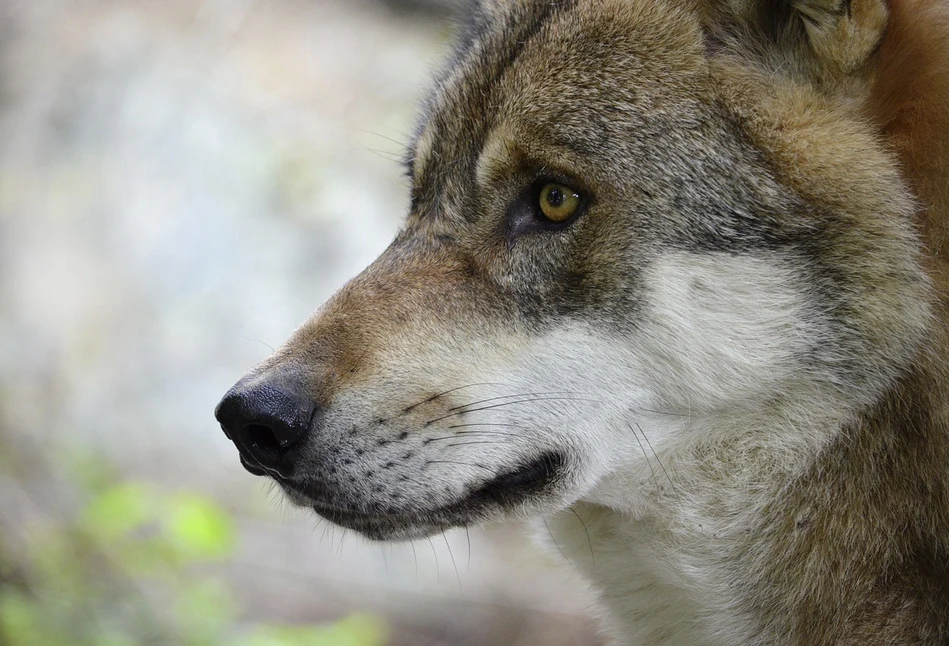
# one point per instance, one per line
(840, 35)
(843, 33)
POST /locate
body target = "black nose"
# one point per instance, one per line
(265, 422)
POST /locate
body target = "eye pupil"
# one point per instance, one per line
(555, 197)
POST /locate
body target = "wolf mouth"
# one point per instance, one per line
(387, 526)
(527, 482)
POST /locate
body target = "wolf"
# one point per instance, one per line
(675, 279)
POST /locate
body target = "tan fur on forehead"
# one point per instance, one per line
(545, 99)
(511, 146)
(638, 42)
(497, 153)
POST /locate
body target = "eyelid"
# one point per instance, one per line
(547, 175)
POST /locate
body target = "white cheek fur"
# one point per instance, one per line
(720, 328)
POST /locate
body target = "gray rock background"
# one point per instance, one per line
(181, 183)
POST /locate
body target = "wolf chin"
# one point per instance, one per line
(675, 278)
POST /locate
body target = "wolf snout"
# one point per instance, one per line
(266, 421)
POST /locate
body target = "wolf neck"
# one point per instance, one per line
(677, 559)
(760, 543)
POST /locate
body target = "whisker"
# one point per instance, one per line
(661, 465)
(645, 455)
(400, 144)
(468, 433)
(414, 481)
(438, 574)
(463, 464)
(667, 413)
(468, 538)
(447, 392)
(491, 399)
(476, 442)
(341, 539)
(556, 544)
(519, 401)
(589, 541)
(319, 521)
(263, 343)
(464, 425)
(387, 155)
(452, 557)
(485, 433)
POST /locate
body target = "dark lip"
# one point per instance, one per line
(532, 479)
(253, 467)
(386, 526)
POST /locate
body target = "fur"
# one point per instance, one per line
(724, 382)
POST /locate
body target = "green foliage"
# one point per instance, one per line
(131, 569)
(355, 630)
(199, 528)
(119, 510)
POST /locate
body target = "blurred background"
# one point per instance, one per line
(181, 183)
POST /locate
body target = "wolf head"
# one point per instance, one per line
(639, 230)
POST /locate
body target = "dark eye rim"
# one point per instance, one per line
(524, 215)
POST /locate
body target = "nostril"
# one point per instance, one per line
(265, 422)
(266, 446)
(271, 434)
(277, 435)
(259, 443)
(263, 437)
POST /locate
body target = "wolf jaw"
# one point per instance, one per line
(721, 376)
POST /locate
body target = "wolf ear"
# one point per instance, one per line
(841, 34)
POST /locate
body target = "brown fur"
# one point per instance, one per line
(910, 104)
(336, 352)
(881, 490)
(810, 134)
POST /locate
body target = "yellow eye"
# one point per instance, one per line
(558, 202)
